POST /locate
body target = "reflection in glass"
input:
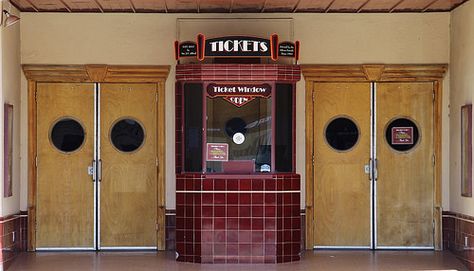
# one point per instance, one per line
(253, 120)
(67, 135)
(342, 134)
(127, 135)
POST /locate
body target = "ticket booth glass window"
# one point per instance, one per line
(243, 132)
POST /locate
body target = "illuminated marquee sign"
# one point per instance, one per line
(239, 94)
(237, 46)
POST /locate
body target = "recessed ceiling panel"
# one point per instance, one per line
(23, 5)
(49, 5)
(445, 5)
(214, 5)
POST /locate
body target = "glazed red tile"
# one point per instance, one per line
(232, 223)
(207, 185)
(257, 211)
(257, 237)
(287, 198)
(270, 210)
(270, 198)
(207, 236)
(189, 210)
(220, 250)
(287, 223)
(180, 199)
(197, 211)
(244, 211)
(219, 236)
(295, 198)
(270, 185)
(207, 198)
(179, 184)
(287, 211)
(296, 236)
(257, 198)
(295, 210)
(244, 224)
(245, 260)
(219, 198)
(179, 223)
(257, 249)
(257, 223)
(245, 237)
(245, 198)
(232, 198)
(207, 249)
(189, 184)
(270, 249)
(257, 185)
(287, 236)
(245, 250)
(296, 223)
(232, 259)
(270, 259)
(232, 185)
(197, 199)
(220, 184)
(207, 211)
(232, 210)
(220, 223)
(270, 224)
(207, 223)
(232, 237)
(245, 185)
(219, 211)
(270, 237)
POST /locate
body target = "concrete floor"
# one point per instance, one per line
(316, 260)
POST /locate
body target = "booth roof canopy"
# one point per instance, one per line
(236, 6)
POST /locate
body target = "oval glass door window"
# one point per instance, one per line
(67, 135)
(127, 135)
(402, 134)
(342, 134)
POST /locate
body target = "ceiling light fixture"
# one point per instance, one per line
(10, 20)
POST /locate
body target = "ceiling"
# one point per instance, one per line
(236, 6)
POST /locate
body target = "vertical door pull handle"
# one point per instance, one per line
(368, 169)
(99, 170)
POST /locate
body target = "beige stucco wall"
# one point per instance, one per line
(462, 92)
(148, 39)
(10, 89)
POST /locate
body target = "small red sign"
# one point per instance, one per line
(217, 152)
(239, 94)
(402, 135)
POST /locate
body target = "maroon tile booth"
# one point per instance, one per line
(237, 193)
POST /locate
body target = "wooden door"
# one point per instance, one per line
(341, 186)
(128, 146)
(405, 165)
(65, 191)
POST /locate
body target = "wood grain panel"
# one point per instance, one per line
(128, 190)
(444, 5)
(280, 5)
(405, 179)
(247, 5)
(413, 5)
(116, 5)
(341, 186)
(81, 6)
(49, 5)
(380, 5)
(215, 5)
(182, 5)
(313, 5)
(347, 5)
(65, 192)
(23, 5)
(149, 6)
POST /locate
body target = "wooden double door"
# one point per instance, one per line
(96, 166)
(373, 165)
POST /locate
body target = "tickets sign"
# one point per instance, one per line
(217, 152)
(239, 94)
(402, 135)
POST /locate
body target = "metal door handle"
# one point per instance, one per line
(368, 169)
(99, 170)
(91, 170)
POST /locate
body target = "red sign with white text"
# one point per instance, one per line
(402, 135)
(217, 152)
(239, 94)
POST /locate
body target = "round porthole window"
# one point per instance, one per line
(67, 135)
(402, 134)
(127, 135)
(342, 133)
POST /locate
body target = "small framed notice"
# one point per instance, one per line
(402, 136)
(217, 152)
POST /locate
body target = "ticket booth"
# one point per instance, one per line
(237, 192)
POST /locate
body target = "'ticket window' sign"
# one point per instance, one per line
(239, 94)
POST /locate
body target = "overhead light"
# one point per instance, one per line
(10, 20)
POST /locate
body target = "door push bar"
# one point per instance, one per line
(371, 169)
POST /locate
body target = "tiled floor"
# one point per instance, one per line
(312, 261)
